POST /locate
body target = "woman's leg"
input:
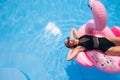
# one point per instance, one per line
(115, 40)
(113, 51)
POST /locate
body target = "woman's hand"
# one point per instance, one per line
(74, 32)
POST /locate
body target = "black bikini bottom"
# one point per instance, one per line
(105, 44)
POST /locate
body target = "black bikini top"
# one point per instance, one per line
(86, 41)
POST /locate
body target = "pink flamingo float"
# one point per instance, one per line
(97, 27)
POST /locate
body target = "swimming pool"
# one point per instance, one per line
(32, 33)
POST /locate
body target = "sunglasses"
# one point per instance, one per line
(68, 38)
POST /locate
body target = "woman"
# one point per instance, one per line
(109, 45)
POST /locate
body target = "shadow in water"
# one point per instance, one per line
(27, 77)
(78, 72)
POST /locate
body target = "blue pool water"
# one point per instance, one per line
(32, 33)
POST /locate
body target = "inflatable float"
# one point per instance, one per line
(97, 27)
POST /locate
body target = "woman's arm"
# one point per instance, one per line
(73, 53)
(69, 53)
(74, 32)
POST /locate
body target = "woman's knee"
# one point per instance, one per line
(114, 51)
(110, 50)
